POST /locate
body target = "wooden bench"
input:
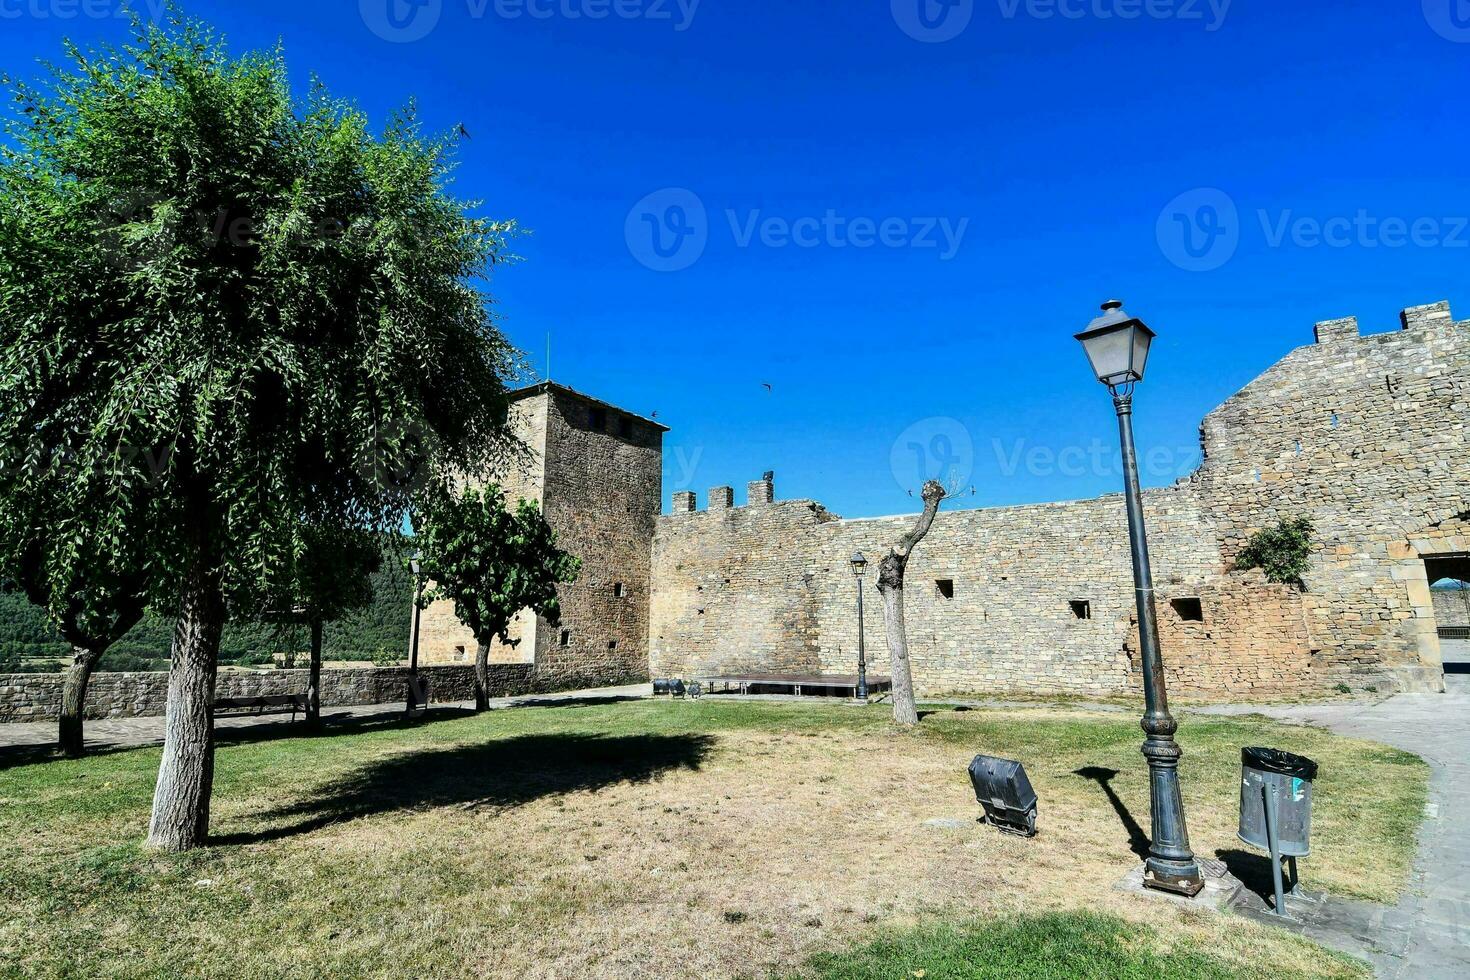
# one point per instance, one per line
(269, 704)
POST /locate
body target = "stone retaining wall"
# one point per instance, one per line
(37, 697)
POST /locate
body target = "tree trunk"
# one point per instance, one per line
(314, 680)
(74, 700)
(482, 677)
(890, 587)
(186, 774)
(905, 711)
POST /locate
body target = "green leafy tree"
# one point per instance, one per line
(1283, 552)
(491, 562)
(247, 311)
(93, 591)
(333, 576)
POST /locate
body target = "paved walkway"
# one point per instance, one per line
(22, 742)
(1427, 936)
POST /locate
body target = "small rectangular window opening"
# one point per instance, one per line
(598, 418)
(945, 587)
(1081, 608)
(566, 638)
(619, 590)
(1190, 610)
(458, 654)
(612, 644)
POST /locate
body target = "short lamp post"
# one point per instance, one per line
(1117, 345)
(413, 644)
(860, 565)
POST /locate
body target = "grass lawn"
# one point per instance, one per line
(658, 839)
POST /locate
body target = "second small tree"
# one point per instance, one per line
(491, 562)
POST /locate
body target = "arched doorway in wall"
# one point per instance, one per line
(1449, 588)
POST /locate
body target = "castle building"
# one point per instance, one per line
(596, 472)
(1365, 435)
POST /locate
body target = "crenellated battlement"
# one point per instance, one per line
(1415, 317)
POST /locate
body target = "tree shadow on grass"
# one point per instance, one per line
(1137, 839)
(269, 728)
(497, 775)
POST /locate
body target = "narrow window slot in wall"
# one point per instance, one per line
(619, 590)
(612, 644)
(458, 654)
(1191, 610)
(566, 638)
(945, 587)
(1081, 608)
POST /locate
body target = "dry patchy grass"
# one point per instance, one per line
(644, 840)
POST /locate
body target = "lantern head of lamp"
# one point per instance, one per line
(859, 564)
(413, 564)
(1117, 345)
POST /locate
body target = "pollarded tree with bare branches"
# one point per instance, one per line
(890, 587)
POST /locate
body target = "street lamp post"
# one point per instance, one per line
(413, 645)
(859, 565)
(1117, 345)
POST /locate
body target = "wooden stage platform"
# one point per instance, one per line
(811, 685)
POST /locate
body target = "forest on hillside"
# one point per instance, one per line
(29, 643)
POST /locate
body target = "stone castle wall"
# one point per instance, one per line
(1365, 435)
(603, 490)
(1452, 607)
(37, 697)
(596, 471)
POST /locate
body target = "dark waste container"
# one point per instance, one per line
(1267, 772)
(1001, 787)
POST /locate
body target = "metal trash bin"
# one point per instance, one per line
(1276, 809)
(1267, 771)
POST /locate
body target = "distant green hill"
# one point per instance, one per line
(28, 643)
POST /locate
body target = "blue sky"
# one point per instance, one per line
(897, 216)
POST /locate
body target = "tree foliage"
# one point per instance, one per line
(491, 562)
(229, 315)
(1283, 551)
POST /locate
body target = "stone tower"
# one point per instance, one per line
(597, 473)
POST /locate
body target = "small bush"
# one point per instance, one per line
(1282, 552)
